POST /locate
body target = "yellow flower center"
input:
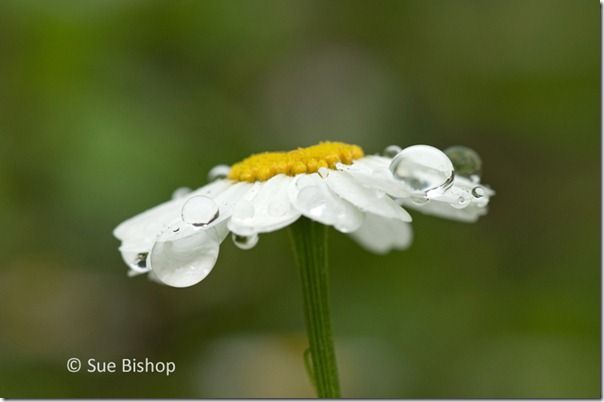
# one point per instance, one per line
(261, 167)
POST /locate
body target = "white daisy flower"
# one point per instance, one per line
(333, 183)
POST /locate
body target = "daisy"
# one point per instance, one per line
(329, 184)
(332, 183)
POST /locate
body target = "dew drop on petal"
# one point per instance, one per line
(466, 161)
(391, 151)
(199, 211)
(243, 210)
(184, 258)
(180, 192)
(323, 172)
(419, 199)
(478, 192)
(218, 172)
(423, 169)
(462, 201)
(278, 208)
(245, 242)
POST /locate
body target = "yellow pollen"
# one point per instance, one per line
(261, 167)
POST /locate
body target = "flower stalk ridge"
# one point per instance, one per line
(330, 184)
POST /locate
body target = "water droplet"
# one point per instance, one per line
(423, 169)
(245, 242)
(218, 172)
(244, 210)
(465, 160)
(391, 151)
(420, 199)
(323, 172)
(184, 258)
(463, 200)
(180, 192)
(141, 260)
(278, 208)
(199, 211)
(478, 192)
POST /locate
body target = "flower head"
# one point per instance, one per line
(333, 183)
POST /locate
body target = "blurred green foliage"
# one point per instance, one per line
(106, 107)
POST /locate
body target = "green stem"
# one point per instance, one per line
(309, 239)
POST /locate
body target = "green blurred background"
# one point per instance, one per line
(106, 107)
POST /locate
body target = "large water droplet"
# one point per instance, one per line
(218, 172)
(185, 257)
(199, 211)
(391, 151)
(423, 169)
(245, 242)
(180, 192)
(466, 161)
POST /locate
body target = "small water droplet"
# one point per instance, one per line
(420, 199)
(141, 260)
(391, 151)
(465, 160)
(424, 169)
(278, 208)
(245, 242)
(218, 172)
(199, 211)
(323, 172)
(478, 192)
(463, 200)
(244, 210)
(180, 192)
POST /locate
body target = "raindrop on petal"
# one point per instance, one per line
(243, 210)
(462, 201)
(199, 211)
(391, 151)
(465, 160)
(423, 169)
(478, 192)
(219, 172)
(278, 208)
(323, 172)
(180, 192)
(245, 242)
(185, 258)
(420, 199)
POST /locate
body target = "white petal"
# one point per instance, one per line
(380, 235)
(373, 172)
(470, 213)
(310, 195)
(456, 203)
(367, 199)
(184, 255)
(265, 208)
